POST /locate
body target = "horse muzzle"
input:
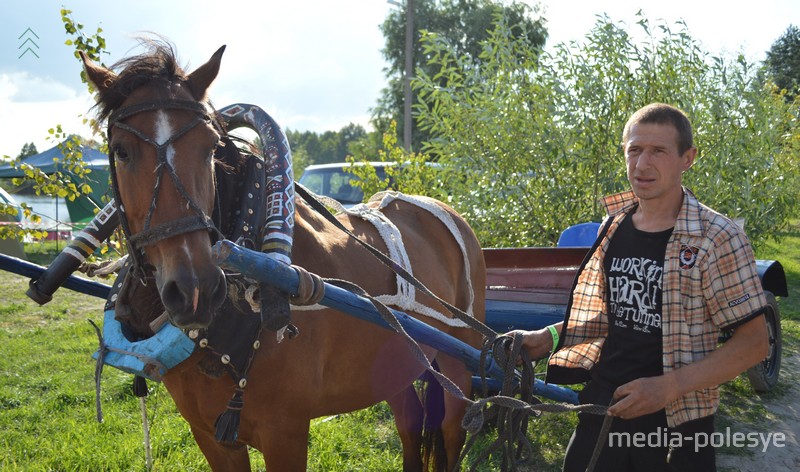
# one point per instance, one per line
(191, 300)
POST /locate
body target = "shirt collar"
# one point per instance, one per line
(688, 218)
(620, 202)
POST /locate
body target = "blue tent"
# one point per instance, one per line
(50, 161)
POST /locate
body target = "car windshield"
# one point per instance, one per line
(335, 183)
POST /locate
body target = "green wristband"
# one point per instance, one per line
(554, 334)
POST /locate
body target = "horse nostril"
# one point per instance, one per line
(173, 298)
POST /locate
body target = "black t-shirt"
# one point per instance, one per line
(633, 266)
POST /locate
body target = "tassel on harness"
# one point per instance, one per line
(139, 386)
(140, 391)
(276, 304)
(227, 424)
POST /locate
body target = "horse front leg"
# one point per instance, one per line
(408, 414)
(220, 457)
(284, 445)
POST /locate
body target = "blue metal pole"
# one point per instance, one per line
(262, 268)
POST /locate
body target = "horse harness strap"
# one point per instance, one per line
(128, 111)
(169, 229)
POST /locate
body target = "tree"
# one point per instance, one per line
(783, 61)
(330, 146)
(532, 145)
(461, 23)
(28, 149)
(410, 172)
(309, 147)
(59, 183)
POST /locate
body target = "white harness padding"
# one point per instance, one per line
(405, 298)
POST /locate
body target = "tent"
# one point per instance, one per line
(82, 209)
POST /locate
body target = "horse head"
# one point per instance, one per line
(162, 136)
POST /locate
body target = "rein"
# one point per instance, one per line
(151, 235)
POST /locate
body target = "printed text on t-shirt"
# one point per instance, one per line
(634, 288)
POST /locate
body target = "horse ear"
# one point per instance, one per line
(99, 76)
(201, 78)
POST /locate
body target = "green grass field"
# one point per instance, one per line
(47, 397)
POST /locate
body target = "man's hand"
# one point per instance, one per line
(538, 343)
(748, 346)
(643, 396)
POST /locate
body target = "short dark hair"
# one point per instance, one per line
(661, 113)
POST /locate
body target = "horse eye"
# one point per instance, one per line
(119, 154)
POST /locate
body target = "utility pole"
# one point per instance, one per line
(409, 70)
(407, 100)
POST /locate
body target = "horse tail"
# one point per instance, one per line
(434, 455)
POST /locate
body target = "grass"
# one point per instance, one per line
(47, 410)
(43, 252)
(47, 395)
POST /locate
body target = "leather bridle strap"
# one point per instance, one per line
(169, 229)
(130, 110)
(200, 221)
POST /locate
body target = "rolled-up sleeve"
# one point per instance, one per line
(732, 287)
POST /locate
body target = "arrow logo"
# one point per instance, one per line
(28, 34)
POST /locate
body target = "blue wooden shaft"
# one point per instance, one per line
(33, 271)
(262, 268)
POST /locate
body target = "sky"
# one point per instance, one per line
(312, 64)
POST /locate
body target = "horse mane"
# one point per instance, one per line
(233, 152)
(159, 63)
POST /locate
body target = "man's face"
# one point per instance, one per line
(654, 164)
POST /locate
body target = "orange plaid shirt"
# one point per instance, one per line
(710, 282)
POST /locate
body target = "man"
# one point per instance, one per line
(665, 275)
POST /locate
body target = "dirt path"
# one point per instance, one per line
(783, 417)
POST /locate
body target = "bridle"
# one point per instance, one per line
(151, 235)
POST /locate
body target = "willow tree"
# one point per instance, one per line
(532, 142)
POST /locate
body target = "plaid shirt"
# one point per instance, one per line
(710, 282)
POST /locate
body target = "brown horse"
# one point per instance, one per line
(337, 363)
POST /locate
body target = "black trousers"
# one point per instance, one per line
(638, 444)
